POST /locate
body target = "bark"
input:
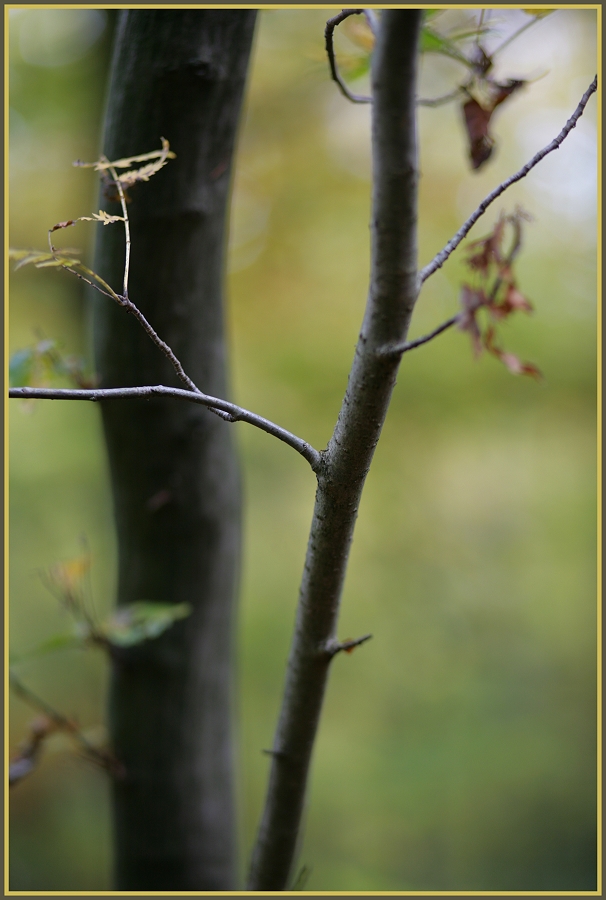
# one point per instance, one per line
(393, 291)
(179, 74)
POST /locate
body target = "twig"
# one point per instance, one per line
(513, 36)
(333, 647)
(88, 281)
(334, 71)
(398, 349)
(114, 175)
(134, 310)
(439, 101)
(230, 412)
(439, 260)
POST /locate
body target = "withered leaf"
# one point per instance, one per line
(513, 363)
(477, 118)
(512, 301)
(101, 216)
(65, 224)
(476, 123)
(471, 301)
(490, 251)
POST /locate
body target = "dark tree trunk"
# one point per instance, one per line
(178, 74)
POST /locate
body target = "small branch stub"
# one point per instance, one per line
(333, 647)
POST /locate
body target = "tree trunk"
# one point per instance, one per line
(178, 74)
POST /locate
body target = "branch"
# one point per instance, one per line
(114, 175)
(405, 346)
(439, 260)
(346, 461)
(328, 36)
(333, 647)
(440, 101)
(231, 412)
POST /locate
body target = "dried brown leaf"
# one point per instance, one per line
(513, 363)
(472, 300)
(103, 164)
(514, 300)
(477, 114)
(101, 216)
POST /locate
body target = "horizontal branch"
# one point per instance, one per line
(439, 260)
(233, 413)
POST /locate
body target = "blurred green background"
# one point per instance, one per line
(457, 748)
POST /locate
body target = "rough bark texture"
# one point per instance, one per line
(178, 74)
(346, 461)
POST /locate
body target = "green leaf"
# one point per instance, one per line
(40, 258)
(51, 645)
(142, 621)
(20, 368)
(355, 66)
(434, 43)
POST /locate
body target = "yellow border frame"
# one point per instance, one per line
(270, 6)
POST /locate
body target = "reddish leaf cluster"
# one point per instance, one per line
(495, 291)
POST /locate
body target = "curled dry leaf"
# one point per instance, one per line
(65, 224)
(104, 217)
(477, 113)
(103, 164)
(472, 300)
(489, 252)
(513, 301)
(513, 363)
(496, 293)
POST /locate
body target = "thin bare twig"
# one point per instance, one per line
(513, 36)
(114, 175)
(134, 310)
(440, 258)
(333, 647)
(398, 349)
(334, 71)
(88, 281)
(230, 412)
(123, 299)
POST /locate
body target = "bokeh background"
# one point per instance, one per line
(457, 749)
